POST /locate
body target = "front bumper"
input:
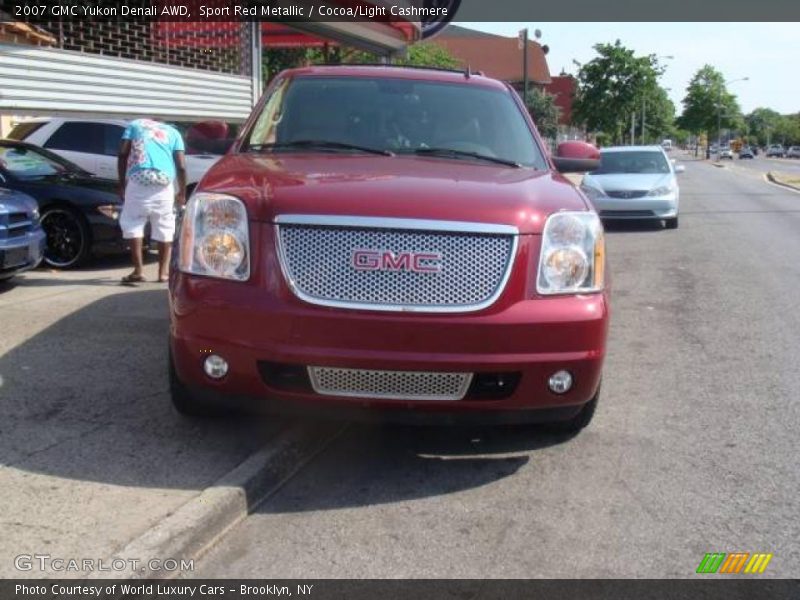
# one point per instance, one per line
(251, 328)
(22, 253)
(647, 207)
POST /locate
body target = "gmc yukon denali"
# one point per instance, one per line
(391, 242)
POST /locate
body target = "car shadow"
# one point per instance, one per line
(373, 464)
(86, 398)
(632, 226)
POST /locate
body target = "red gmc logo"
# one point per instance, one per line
(386, 260)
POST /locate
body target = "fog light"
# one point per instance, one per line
(560, 382)
(215, 367)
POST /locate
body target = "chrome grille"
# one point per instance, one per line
(317, 259)
(393, 385)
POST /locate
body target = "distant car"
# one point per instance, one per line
(746, 152)
(726, 153)
(667, 145)
(78, 211)
(776, 150)
(93, 145)
(21, 237)
(635, 182)
(793, 152)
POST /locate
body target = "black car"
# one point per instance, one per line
(78, 211)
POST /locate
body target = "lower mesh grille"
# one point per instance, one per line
(394, 385)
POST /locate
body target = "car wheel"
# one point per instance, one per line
(671, 223)
(185, 403)
(68, 242)
(579, 421)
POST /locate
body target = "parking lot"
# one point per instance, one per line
(693, 449)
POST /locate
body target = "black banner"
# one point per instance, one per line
(431, 13)
(494, 589)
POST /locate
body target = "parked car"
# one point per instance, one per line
(78, 210)
(635, 182)
(21, 237)
(726, 153)
(746, 152)
(776, 150)
(418, 257)
(93, 145)
(793, 152)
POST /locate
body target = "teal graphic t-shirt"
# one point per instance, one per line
(152, 145)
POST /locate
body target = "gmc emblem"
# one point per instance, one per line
(386, 260)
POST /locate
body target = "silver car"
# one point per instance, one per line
(635, 182)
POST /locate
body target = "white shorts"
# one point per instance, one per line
(148, 202)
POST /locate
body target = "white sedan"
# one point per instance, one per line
(635, 182)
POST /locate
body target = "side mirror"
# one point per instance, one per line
(679, 168)
(576, 157)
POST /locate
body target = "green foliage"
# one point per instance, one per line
(611, 88)
(766, 126)
(708, 100)
(543, 110)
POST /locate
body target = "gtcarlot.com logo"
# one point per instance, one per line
(734, 563)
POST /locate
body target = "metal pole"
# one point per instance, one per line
(525, 67)
(633, 128)
(719, 121)
(644, 104)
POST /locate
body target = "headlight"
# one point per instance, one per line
(661, 191)
(572, 259)
(35, 216)
(214, 240)
(109, 210)
(592, 192)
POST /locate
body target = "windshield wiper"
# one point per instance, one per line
(320, 144)
(464, 154)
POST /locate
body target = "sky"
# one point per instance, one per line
(764, 52)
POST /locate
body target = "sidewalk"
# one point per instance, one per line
(92, 454)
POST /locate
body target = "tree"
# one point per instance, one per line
(761, 124)
(544, 112)
(659, 116)
(611, 88)
(707, 101)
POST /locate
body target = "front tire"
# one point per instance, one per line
(68, 239)
(183, 400)
(671, 223)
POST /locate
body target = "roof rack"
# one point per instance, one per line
(396, 66)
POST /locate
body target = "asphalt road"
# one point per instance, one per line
(694, 448)
(762, 164)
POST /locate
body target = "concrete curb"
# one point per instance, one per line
(772, 179)
(195, 526)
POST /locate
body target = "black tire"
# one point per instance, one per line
(671, 223)
(579, 421)
(185, 403)
(68, 238)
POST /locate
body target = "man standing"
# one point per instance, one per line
(152, 174)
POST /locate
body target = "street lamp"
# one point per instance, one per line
(719, 108)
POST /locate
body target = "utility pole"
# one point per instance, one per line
(633, 129)
(524, 34)
(644, 104)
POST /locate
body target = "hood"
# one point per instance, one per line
(397, 187)
(198, 164)
(627, 181)
(12, 201)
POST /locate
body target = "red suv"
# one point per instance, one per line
(391, 241)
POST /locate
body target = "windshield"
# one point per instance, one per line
(25, 163)
(645, 162)
(397, 116)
